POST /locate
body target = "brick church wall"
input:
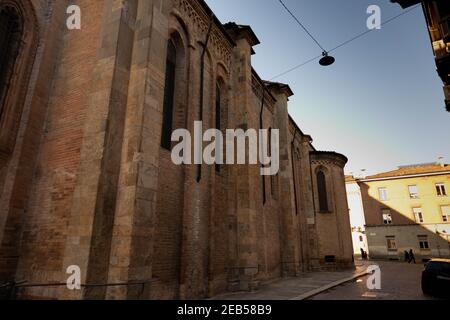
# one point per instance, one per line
(89, 184)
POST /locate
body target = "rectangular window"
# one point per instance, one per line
(418, 215)
(413, 192)
(382, 193)
(387, 216)
(445, 213)
(423, 243)
(440, 190)
(391, 244)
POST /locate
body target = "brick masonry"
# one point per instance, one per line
(86, 182)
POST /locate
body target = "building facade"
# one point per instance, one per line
(408, 208)
(437, 15)
(86, 176)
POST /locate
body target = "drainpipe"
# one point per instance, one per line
(261, 127)
(296, 200)
(293, 172)
(316, 249)
(202, 81)
(312, 186)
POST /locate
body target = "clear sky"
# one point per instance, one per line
(381, 104)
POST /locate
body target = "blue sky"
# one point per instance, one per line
(381, 104)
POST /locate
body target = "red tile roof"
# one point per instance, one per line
(411, 170)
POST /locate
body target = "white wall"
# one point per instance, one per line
(357, 220)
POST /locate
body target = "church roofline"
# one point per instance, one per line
(262, 83)
(217, 22)
(297, 129)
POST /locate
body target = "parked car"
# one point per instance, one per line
(436, 278)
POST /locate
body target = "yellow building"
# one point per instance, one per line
(408, 208)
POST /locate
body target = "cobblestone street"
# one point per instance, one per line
(297, 288)
(399, 281)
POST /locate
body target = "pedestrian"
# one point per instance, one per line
(406, 256)
(411, 256)
(363, 256)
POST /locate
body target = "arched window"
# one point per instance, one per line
(11, 30)
(169, 91)
(322, 191)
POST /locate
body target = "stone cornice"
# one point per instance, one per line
(328, 157)
(280, 87)
(242, 32)
(198, 15)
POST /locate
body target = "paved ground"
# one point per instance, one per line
(399, 281)
(294, 288)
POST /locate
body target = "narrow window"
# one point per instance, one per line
(382, 193)
(10, 35)
(391, 243)
(169, 91)
(413, 192)
(387, 216)
(423, 243)
(418, 215)
(445, 213)
(440, 190)
(218, 118)
(218, 108)
(322, 190)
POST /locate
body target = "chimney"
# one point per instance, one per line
(440, 162)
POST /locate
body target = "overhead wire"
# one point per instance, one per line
(301, 24)
(343, 43)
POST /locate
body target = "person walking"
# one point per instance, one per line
(406, 256)
(411, 256)
(363, 254)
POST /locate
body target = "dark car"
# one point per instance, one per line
(436, 278)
